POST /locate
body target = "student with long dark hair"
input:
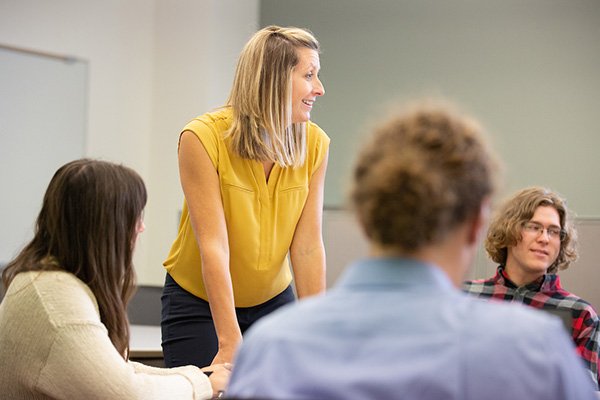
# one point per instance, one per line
(64, 331)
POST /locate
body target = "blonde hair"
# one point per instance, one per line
(507, 224)
(423, 172)
(261, 94)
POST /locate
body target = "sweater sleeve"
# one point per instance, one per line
(83, 363)
(79, 361)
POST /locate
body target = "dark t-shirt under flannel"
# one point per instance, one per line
(546, 293)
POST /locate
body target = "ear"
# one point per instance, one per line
(478, 222)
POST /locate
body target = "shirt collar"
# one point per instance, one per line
(393, 272)
(545, 283)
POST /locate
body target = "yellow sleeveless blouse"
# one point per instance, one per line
(261, 216)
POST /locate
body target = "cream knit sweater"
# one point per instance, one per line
(53, 346)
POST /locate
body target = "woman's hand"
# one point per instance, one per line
(225, 353)
(219, 377)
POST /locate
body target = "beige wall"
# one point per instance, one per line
(153, 65)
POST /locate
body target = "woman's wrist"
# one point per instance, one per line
(230, 343)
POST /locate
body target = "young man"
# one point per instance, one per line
(532, 237)
(396, 326)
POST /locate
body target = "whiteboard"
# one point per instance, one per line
(42, 126)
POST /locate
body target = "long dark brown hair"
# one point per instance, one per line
(87, 226)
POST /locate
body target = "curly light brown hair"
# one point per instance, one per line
(507, 224)
(422, 172)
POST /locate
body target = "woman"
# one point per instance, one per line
(252, 174)
(64, 332)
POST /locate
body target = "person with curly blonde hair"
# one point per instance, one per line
(395, 325)
(532, 237)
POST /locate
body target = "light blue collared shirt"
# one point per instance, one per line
(396, 328)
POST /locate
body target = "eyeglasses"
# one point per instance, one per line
(554, 233)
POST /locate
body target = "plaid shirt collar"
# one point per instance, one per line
(547, 283)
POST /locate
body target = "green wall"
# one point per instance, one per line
(529, 70)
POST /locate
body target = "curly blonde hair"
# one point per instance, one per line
(423, 172)
(507, 224)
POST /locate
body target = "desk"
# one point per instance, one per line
(144, 345)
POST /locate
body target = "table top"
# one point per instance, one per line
(145, 341)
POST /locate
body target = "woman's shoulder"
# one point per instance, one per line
(317, 143)
(316, 130)
(40, 280)
(60, 294)
(216, 118)
(316, 136)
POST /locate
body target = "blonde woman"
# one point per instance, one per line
(64, 332)
(252, 174)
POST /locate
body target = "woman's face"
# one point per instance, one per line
(306, 85)
(140, 227)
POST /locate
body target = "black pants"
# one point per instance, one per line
(188, 330)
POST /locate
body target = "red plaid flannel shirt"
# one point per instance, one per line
(546, 293)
